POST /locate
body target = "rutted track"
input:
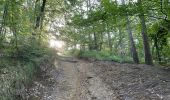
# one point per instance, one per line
(77, 82)
(73, 79)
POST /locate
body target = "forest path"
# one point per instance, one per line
(74, 79)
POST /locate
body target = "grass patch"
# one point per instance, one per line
(104, 55)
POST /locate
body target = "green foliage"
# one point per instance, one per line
(22, 43)
(98, 28)
(102, 25)
(104, 55)
(17, 72)
(159, 34)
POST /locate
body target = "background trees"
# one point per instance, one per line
(120, 27)
(23, 43)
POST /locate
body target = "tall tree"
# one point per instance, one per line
(2, 27)
(40, 15)
(148, 57)
(132, 44)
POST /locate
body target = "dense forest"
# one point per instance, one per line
(126, 31)
(129, 29)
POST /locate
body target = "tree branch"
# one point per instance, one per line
(166, 16)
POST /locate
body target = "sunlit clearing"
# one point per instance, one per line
(58, 45)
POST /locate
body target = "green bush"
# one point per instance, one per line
(104, 55)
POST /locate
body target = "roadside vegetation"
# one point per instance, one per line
(19, 68)
(131, 31)
(24, 46)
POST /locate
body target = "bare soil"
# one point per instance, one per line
(75, 79)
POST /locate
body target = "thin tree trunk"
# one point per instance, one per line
(2, 33)
(89, 42)
(39, 18)
(109, 38)
(157, 49)
(109, 41)
(95, 41)
(132, 44)
(101, 41)
(148, 57)
(88, 8)
(121, 36)
(14, 29)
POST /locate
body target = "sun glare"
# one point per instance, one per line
(56, 44)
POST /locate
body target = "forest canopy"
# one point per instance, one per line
(134, 29)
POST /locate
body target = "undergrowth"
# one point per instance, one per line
(102, 55)
(18, 69)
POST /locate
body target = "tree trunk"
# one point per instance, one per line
(95, 41)
(39, 18)
(101, 42)
(132, 44)
(89, 42)
(109, 39)
(2, 33)
(121, 36)
(157, 48)
(148, 57)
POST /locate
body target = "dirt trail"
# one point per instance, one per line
(74, 79)
(79, 83)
